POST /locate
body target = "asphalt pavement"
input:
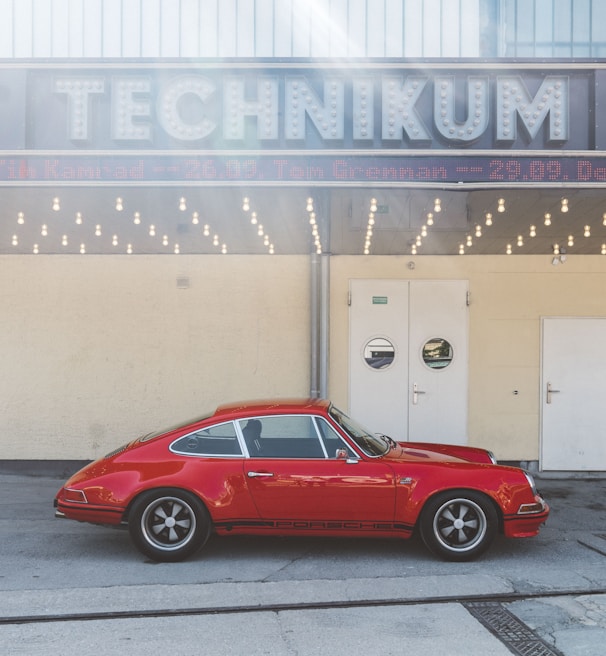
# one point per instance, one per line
(75, 588)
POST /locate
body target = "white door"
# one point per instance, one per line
(408, 358)
(573, 380)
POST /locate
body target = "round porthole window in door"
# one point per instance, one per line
(379, 353)
(437, 353)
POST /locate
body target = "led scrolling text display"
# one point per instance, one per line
(303, 169)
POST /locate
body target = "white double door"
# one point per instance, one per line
(573, 384)
(408, 353)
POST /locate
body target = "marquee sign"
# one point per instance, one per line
(321, 123)
(293, 169)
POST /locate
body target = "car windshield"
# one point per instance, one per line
(371, 445)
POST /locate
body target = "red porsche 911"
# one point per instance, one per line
(299, 467)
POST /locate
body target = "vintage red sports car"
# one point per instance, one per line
(299, 467)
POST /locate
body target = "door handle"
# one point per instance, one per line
(415, 393)
(254, 474)
(551, 391)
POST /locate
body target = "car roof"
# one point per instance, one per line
(271, 406)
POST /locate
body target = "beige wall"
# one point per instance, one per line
(97, 350)
(509, 295)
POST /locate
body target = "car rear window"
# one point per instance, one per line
(219, 440)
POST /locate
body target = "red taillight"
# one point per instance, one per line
(75, 496)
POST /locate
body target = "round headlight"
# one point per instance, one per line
(531, 482)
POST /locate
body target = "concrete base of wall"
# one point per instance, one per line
(51, 468)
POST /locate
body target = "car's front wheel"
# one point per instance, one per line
(458, 525)
(168, 525)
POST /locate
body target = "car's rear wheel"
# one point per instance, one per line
(168, 525)
(458, 525)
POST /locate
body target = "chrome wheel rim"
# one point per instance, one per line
(460, 525)
(168, 523)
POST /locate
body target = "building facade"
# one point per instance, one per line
(400, 205)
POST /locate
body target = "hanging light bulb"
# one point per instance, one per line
(64, 241)
(224, 249)
(587, 231)
(501, 205)
(56, 204)
(603, 251)
(260, 230)
(152, 230)
(129, 249)
(115, 240)
(35, 249)
(564, 206)
(195, 218)
(177, 250)
(469, 241)
(604, 219)
(44, 230)
(533, 231)
(424, 231)
(430, 218)
(137, 218)
(437, 205)
(570, 240)
(373, 205)
(253, 218)
(246, 203)
(97, 230)
(310, 205)
(15, 241)
(478, 230)
(509, 249)
(216, 240)
(119, 204)
(78, 218)
(182, 204)
(164, 240)
(413, 249)
(82, 249)
(488, 219)
(556, 249)
(206, 230)
(547, 220)
(271, 249)
(461, 249)
(312, 218)
(21, 218)
(520, 241)
(371, 219)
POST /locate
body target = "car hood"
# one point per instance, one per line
(416, 454)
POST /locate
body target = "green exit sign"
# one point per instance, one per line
(379, 300)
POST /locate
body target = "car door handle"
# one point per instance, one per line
(551, 391)
(254, 474)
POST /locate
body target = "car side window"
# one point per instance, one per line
(282, 436)
(219, 440)
(333, 442)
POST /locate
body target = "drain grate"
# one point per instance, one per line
(513, 633)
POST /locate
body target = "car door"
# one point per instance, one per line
(299, 481)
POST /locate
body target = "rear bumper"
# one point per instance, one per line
(89, 513)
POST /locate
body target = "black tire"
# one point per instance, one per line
(168, 525)
(458, 525)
